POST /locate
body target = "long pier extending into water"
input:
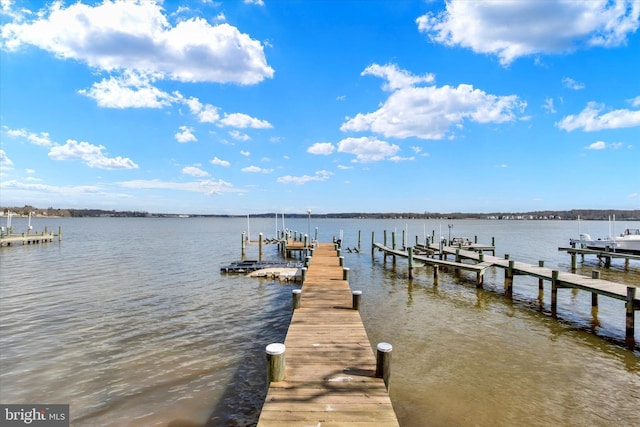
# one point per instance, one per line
(470, 258)
(326, 373)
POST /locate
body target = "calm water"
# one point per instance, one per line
(131, 323)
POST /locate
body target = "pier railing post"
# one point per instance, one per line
(383, 362)
(275, 362)
(345, 273)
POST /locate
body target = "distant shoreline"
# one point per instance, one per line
(560, 215)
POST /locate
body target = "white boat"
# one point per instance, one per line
(627, 242)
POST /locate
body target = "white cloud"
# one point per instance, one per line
(396, 78)
(590, 119)
(42, 139)
(601, 145)
(91, 155)
(206, 186)
(5, 161)
(368, 149)
(219, 162)
(323, 148)
(239, 136)
(185, 135)
(321, 175)
(256, 2)
(635, 102)
(256, 169)
(548, 105)
(130, 90)
(512, 29)
(136, 35)
(194, 171)
(241, 121)
(430, 112)
(572, 84)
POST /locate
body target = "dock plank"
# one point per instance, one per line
(330, 365)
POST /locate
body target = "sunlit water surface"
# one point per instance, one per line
(130, 322)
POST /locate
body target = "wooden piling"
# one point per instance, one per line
(275, 362)
(410, 249)
(595, 274)
(630, 323)
(383, 362)
(554, 290)
(355, 300)
(296, 295)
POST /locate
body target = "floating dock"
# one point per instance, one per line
(330, 373)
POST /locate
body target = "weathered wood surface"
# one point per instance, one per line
(330, 365)
(27, 239)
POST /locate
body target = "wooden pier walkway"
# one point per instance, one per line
(330, 374)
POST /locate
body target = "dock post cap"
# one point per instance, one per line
(356, 292)
(384, 347)
(275, 348)
(296, 291)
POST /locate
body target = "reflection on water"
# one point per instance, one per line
(130, 321)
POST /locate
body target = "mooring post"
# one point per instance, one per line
(595, 274)
(574, 261)
(359, 236)
(260, 246)
(341, 260)
(384, 242)
(435, 274)
(393, 245)
(410, 250)
(631, 295)
(345, 273)
(303, 271)
(373, 241)
(275, 362)
(554, 290)
(296, 295)
(60, 235)
(383, 362)
(356, 296)
(508, 282)
(244, 243)
(541, 281)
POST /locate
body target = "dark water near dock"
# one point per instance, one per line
(131, 323)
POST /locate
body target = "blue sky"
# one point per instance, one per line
(240, 107)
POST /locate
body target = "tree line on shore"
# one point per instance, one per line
(574, 214)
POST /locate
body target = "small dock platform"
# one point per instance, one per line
(330, 371)
(30, 238)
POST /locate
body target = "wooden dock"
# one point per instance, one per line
(605, 255)
(558, 279)
(30, 238)
(330, 369)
